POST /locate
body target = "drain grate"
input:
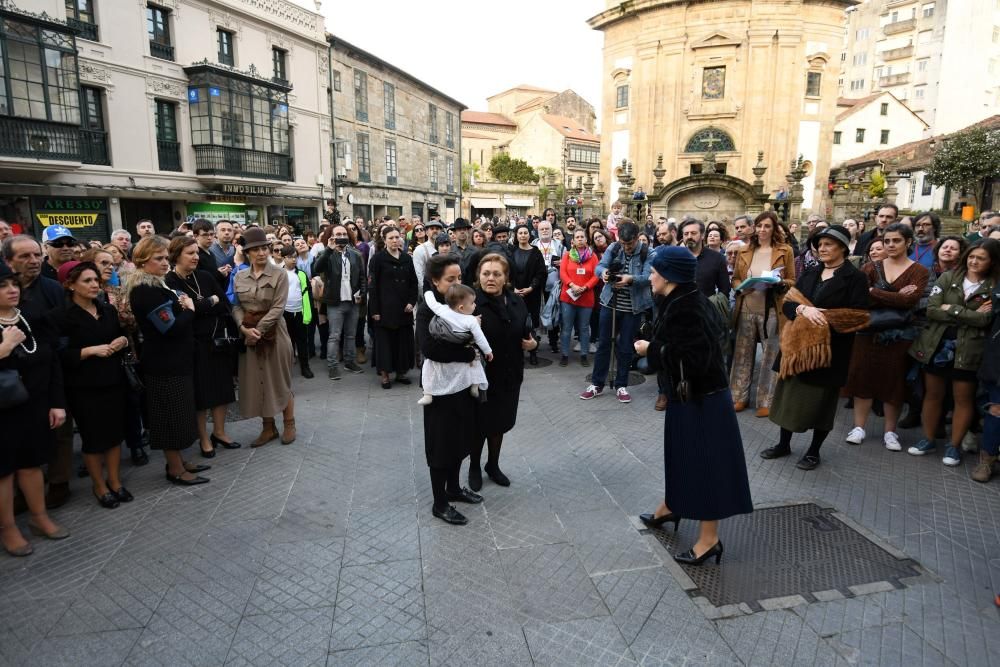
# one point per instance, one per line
(792, 550)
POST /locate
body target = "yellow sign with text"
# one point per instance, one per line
(71, 220)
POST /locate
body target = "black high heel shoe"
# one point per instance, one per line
(650, 519)
(109, 500)
(219, 442)
(210, 454)
(688, 557)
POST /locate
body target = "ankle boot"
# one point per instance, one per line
(288, 437)
(984, 471)
(362, 357)
(306, 371)
(267, 434)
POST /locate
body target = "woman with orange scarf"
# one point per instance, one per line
(814, 369)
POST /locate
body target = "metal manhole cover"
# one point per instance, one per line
(792, 550)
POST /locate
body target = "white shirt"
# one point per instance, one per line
(551, 249)
(421, 254)
(294, 303)
(345, 278)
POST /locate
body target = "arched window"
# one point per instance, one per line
(710, 139)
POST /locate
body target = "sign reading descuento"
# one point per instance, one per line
(86, 216)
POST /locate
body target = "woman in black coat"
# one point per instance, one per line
(508, 329)
(809, 400)
(706, 474)
(527, 274)
(92, 346)
(450, 422)
(27, 435)
(392, 296)
(214, 366)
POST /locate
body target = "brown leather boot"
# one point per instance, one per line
(984, 471)
(267, 434)
(362, 357)
(288, 437)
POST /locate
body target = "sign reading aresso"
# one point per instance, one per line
(86, 216)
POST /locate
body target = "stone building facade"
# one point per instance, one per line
(546, 129)
(730, 77)
(941, 57)
(167, 110)
(397, 145)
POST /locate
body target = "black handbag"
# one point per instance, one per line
(683, 388)
(228, 339)
(12, 390)
(131, 368)
(883, 319)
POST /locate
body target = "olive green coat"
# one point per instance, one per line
(971, 325)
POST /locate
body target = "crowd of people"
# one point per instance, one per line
(168, 331)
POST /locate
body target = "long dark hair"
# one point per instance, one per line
(991, 246)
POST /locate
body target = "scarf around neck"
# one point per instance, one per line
(579, 257)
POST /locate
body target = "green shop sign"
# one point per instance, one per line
(87, 217)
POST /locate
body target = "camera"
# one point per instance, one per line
(615, 269)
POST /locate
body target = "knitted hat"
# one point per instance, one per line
(674, 263)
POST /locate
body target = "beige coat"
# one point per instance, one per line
(265, 375)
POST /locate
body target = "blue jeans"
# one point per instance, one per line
(991, 424)
(579, 317)
(627, 325)
(343, 320)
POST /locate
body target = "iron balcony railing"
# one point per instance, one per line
(39, 139)
(161, 51)
(86, 30)
(230, 161)
(169, 153)
(94, 147)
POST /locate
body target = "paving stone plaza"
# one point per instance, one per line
(325, 552)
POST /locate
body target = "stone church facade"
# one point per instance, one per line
(730, 77)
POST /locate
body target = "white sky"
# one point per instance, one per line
(471, 49)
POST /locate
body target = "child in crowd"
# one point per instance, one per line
(454, 323)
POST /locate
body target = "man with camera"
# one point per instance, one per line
(624, 268)
(343, 271)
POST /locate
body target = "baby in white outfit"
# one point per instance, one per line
(454, 323)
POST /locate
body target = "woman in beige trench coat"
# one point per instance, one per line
(266, 364)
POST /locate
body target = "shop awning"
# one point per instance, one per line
(519, 203)
(486, 202)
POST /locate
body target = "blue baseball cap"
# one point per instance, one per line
(56, 232)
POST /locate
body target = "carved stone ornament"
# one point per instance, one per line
(166, 88)
(93, 73)
(323, 65)
(224, 20)
(280, 40)
(169, 4)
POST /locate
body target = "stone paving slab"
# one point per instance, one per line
(325, 552)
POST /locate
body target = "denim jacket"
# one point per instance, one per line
(642, 297)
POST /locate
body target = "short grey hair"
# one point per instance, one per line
(121, 232)
(8, 244)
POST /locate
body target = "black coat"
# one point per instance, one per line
(847, 288)
(169, 353)
(533, 275)
(207, 324)
(685, 331)
(77, 330)
(505, 324)
(989, 368)
(392, 286)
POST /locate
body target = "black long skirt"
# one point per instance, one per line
(706, 472)
(213, 376)
(394, 349)
(170, 408)
(499, 413)
(99, 413)
(27, 440)
(450, 429)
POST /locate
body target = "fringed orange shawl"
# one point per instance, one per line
(806, 346)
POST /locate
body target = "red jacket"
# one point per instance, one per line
(569, 272)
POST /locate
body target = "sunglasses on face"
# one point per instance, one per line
(62, 244)
(418, 229)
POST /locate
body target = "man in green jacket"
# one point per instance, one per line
(298, 308)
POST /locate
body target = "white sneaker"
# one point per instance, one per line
(856, 436)
(593, 348)
(891, 442)
(576, 346)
